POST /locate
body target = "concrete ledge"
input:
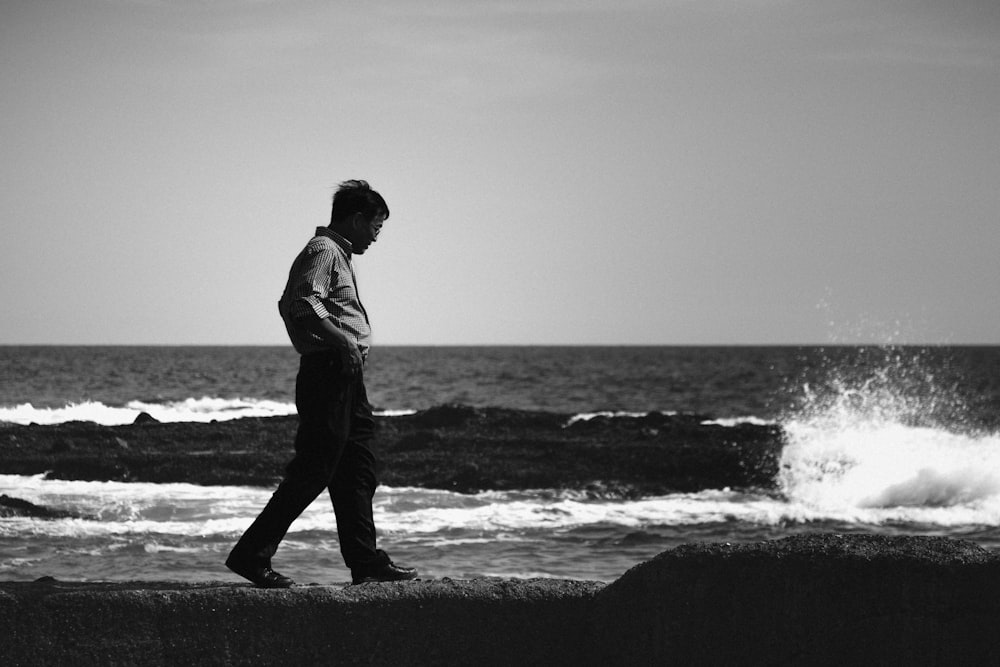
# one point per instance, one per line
(824, 599)
(416, 623)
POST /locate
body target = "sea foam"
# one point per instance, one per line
(892, 471)
(205, 409)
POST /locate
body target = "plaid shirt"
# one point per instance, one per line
(321, 284)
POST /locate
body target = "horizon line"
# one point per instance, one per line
(595, 344)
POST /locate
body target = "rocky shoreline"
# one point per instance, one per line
(452, 447)
(808, 600)
(821, 599)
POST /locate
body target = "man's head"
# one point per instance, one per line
(358, 214)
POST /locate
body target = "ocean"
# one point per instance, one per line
(888, 440)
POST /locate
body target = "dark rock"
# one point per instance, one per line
(62, 445)
(450, 447)
(816, 599)
(445, 416)
(11, 507)
(417, 441)
(145, 418)
(469, 479)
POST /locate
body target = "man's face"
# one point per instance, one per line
(364, 233)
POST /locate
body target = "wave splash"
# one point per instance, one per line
(882, 441)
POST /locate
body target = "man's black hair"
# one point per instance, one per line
(357, 197)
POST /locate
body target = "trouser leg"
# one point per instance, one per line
(353, 486)
(324, 402)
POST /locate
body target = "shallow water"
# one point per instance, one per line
(183, 532)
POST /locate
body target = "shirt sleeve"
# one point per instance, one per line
(310, 282)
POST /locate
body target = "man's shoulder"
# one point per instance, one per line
(321, 243)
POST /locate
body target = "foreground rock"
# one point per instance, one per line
(808, 600)
(824, 599)
(451, 447)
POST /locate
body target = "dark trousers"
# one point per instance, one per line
(331, 452)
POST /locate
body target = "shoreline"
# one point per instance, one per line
(817, 599)
(450, 447)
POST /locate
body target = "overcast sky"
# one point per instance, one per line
(611, 171)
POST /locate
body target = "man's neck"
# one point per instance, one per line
(341, 239)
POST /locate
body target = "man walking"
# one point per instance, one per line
(329, 328)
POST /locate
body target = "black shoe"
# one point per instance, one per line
(262, 576)
(384, 570)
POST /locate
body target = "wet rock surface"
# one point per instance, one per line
(453, 447)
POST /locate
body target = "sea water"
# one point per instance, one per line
(891, 440)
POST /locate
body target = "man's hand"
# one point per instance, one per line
(350, 355)
(350, 358)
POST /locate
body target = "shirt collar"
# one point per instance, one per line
(337, 238)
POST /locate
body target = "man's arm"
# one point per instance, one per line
(327, 331)
(313, 273)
